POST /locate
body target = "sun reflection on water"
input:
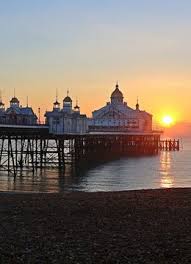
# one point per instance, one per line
(167, 180)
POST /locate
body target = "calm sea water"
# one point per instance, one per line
(168, 169)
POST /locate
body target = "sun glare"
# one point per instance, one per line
(167, 120)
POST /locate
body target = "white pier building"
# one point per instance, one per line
(15, 114)
(66, 120)
(117, 116)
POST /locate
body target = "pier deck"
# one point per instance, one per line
(33, 147)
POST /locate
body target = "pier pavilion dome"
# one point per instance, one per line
(117, 116)
(56, 105)
(67, 104)
(66, 120)
(116, 96)
(67, 99)
(77, 108)
(14, 102)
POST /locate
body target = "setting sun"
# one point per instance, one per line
(167, 120)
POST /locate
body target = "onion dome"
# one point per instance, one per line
(14, 100)
(56, 105)
(77, 108)
(117, 96)
(116, 93)
(67, 99)
(67, 104)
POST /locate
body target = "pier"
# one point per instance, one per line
(33, 147)
(70, 138)
(169, 145)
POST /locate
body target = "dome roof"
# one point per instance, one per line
(14, 100)
(67, 99)
(56, 103)
(116, 93)
(76, 107)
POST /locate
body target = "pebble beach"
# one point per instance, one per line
(147, 226)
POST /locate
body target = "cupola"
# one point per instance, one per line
(14, 102)
(77, 108)
(117, 95)
(56, 105)
(67, 103)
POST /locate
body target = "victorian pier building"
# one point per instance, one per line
(69, 137)
(66, 120)
(15, 114)
(117, 116)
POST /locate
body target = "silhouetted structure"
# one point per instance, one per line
(66, 120)
(117, 116)
(34, 147)
(114, 131)
(16, 114)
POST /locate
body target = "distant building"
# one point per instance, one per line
(16, 114)
(117, 116)
(2, 112)
(66, 120)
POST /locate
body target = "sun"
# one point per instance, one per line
(167, 120)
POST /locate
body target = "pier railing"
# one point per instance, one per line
(169, 145)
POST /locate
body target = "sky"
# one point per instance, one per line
(87, 45)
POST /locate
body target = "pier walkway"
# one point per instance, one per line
(33, 147)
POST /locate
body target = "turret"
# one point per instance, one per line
(14, 102)
(137, 105)
(117, 96)
(67, 104)
(56, 105)
(77, 108)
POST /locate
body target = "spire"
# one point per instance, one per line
(56, 103)
(56, 95)
(137, 105)
(77, 108)
(27, 101)
(117, 84)
(67, 92)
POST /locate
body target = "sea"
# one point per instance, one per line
(165, 170)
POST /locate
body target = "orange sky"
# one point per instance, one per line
(158, 95)
(85, 46)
